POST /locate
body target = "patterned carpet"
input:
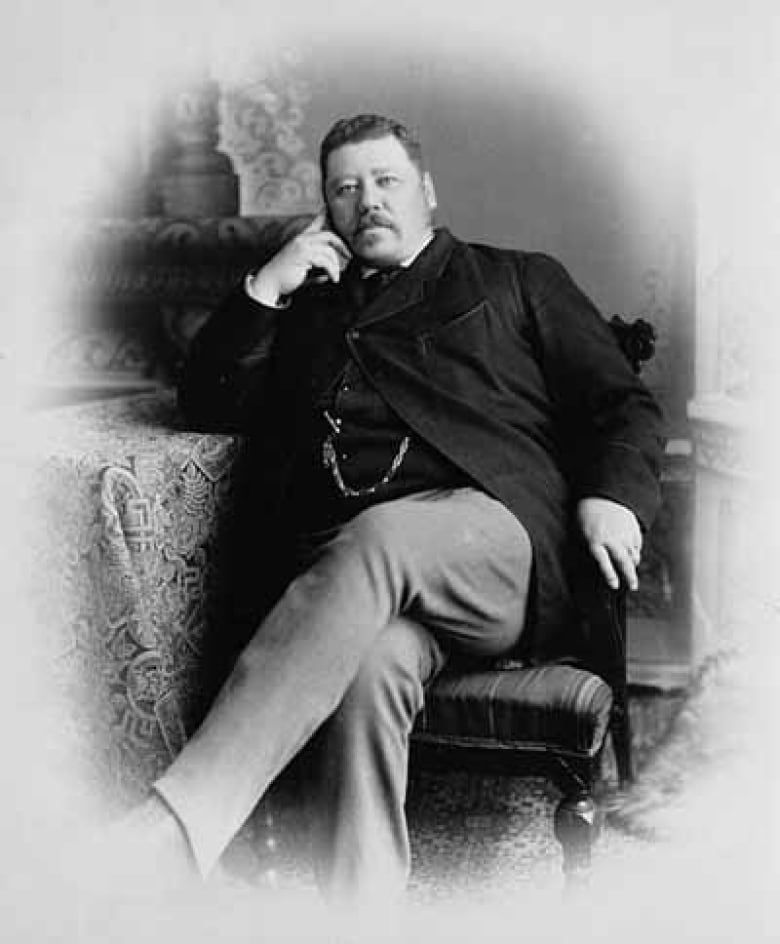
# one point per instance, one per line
(683, 857)
(686, 855)
(470, 832)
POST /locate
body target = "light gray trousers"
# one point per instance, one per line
(351, 645)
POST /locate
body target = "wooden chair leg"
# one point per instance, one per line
(576, 827)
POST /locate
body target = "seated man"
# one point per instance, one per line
(426, 419)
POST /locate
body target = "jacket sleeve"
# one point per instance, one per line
(610, 425)
(227, 364)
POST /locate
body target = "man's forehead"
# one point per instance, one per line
(370, 154)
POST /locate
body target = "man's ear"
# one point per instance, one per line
(429, 190)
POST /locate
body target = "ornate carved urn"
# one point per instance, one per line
(198, 179)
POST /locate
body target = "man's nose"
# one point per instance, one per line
(369, 196)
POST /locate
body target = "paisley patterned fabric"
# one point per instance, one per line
(128, 541)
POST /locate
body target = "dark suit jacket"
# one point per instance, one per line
(494, 357)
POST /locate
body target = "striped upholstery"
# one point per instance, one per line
(546, 707)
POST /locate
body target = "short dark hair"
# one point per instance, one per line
(365, 128)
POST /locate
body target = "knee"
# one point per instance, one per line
(388, 689)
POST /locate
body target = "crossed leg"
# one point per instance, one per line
(457, 563)
(361, 841)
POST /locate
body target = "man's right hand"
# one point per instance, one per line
(316, 247)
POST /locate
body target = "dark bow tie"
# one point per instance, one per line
(371, 285)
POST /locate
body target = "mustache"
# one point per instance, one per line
(374, 219)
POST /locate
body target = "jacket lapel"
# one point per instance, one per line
(414, 286)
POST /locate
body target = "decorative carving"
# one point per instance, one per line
(637, 339)
(100, 353)
(198, 179)
(174, 261)
(736, 327)
(655, 295)
(263, 116)
(727, 323)
(721, 448)
(151, 282)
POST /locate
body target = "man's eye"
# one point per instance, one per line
(387, 180)
(344, 189)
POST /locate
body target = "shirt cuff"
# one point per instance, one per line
(281, 303)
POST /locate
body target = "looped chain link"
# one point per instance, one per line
(331, 462)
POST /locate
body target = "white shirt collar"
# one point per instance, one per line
(404, 263)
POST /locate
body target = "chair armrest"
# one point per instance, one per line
(603, 611)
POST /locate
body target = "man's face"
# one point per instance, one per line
(380, 203)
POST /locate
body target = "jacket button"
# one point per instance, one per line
(353, 335)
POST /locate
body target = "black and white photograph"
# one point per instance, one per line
(391, 545)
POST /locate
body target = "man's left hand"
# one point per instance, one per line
(614, 537)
